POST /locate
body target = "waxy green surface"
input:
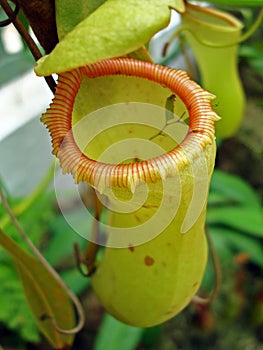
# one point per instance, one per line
(114, 29)
(213, 37)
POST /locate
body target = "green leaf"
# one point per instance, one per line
(69, 13)
(248, 220)
(16, 314)
(257, 65)
(42, 211)
(254, 50)
(239, 243)
(234, 189)
(44, 294)
(216, 198)
(151, 336)
(253, 54)
(114, 335)
(115, 29)
(248, 3)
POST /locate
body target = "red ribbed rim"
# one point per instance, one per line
(58, 120)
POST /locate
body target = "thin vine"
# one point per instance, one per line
(12, 18)
(49, 268)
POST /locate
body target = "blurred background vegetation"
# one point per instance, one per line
(234, 221)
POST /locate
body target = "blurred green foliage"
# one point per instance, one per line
(233, 209)
(13, 65)
(16, 314)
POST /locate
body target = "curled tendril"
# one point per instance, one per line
(12, 16)
(39, 256)
(218, 275)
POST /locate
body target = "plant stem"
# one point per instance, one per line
(93, 247)
(41, 17)
(29, 41)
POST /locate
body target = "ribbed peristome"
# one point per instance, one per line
(58, 119)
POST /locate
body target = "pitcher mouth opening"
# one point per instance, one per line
(58, 119)
(225, 23)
